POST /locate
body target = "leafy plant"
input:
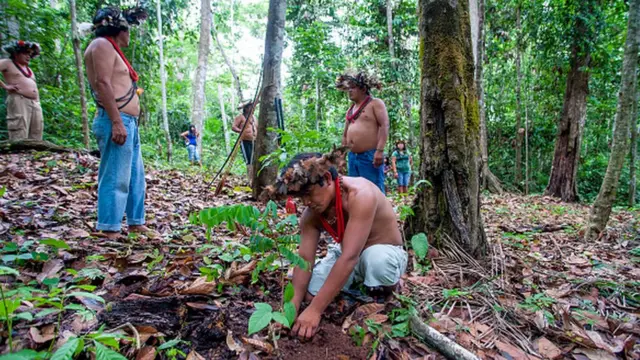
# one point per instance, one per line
(264, 314)
(420, 245)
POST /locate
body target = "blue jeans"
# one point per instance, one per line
(361, 165)
(403, 178)
(193, 153)
(121, 184)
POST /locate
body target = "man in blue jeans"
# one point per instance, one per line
(366, 129)
(121, 184)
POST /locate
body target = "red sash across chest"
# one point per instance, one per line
(339, 234)
(132, 73)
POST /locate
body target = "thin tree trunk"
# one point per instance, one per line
(601, 209)
(79, 72)
(163, 82)
(476, 10)
(232, 57)
(634, 152)
(519, 134)
(526, 147)
(407, 108)
(317, 105)
(449, 209)
(266, 141)
(224, 119)
(234, 73)
(390, 28)
(199, 83)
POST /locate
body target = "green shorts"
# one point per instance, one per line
(379, 265)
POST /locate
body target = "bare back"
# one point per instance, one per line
(26, 86)
(120, 78)
(362, 134)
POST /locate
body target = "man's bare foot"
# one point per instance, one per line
(143, 230)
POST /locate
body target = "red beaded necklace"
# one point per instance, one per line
(351, 116)
(26, 74)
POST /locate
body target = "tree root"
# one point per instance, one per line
(436, 340)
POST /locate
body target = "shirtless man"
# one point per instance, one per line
(248, 136)
(361, 220)
(24, 114)
(366, 129)
(121, 183)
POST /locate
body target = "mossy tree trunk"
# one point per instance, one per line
(449, 142)
(564, 170)
(602, 206)
(266, 141)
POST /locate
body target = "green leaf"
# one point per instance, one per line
(295, 259)
(290, 312)
(24, 316)
(46, 312)
(279, 317)
(86, 295)
(289, 291)
(169, 344)
(66, 351)
(25, 354)
(261, 244)
(260, 318)
(420, 245)
(8, 307)
(8, 271)
(3, 190)
(104, 353)
(58, 244)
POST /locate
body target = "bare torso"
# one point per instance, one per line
(384, 229)
(12, 76)
(120, 80)
(362, 134)
(249, 132)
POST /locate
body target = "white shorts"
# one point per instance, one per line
(379, 265)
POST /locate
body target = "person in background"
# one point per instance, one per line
(24, 114)
(366, 127)
(191, 140)
(248, 135)
(401, 163)
(121, 182)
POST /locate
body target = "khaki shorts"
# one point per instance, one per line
(24, 118)
(379, 265)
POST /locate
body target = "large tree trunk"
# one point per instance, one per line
(407, 108)
(80, 73)
(602, 206)
(163, 84)
(234, 73)
(449, 142)
(519, 134)
(266, 141)
(634, 151)
(223, 116)
(562, 182)
(199, 84)
(476, 14)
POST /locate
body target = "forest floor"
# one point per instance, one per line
(542, 292)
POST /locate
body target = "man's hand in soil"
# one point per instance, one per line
(306, 324)
(118, 133)
(378, 158)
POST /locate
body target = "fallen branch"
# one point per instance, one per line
(439, 342)
(537, 229)
(12, 146)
